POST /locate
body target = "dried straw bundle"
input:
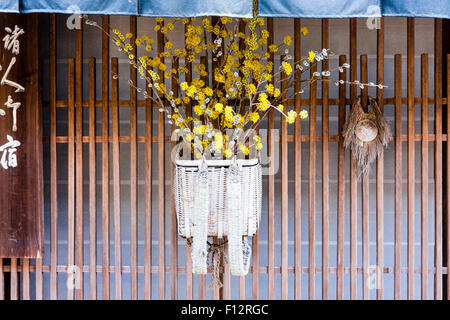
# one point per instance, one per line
(366, 133)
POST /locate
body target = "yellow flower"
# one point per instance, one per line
(253, 116)
(184, 85)
(269, 88)
(251, 89)
(148, 47)
(208, 91)
(199, 111)
(267, 76)
(244, 150)
(138, 41)
(168, 45)
(273, 48)
(218, 107)
(157, 27)
(227, 153)
(129, 35)
(276, 92)
(287, 40)
(170, 26)
(303, 114)
(280, 107)
(312, 56)
(291, 116)
(304, 30)
(159, 19)
(219, 77)
(228, 110)
(287, 68)
(190, 91)
(118, 42)
(185, 20)
(162, 67)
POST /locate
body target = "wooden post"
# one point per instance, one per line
(21, 191)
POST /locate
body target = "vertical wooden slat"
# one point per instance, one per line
(92, 185)
(161, 188)
(202, 277)
(380, 171)
(398, 177)
(438, 158)
(189, 276)
(325, 170)
(255, 238)
(133, 168)
(341, 188)
(271, 188)
(284, 196)
(448, 177)
(14, 280)
(71, 173)
(411, 107)
(116, 180)
(2, 281)
(148, 197)
(105, 161)
(40, 201)
(297, 165)
(353, 172)
(79, 162)
(312, 187)
(54, 165)
(173, 215)
(365, 191)
(424, 184)
(25, 279)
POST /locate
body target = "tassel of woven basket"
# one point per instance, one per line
(215, 251)
(237, 250)
(200, 221)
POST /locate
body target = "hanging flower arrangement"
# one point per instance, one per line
(216, 108)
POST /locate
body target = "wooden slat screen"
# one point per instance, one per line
(111, 225)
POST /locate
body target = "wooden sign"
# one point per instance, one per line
(21, 183)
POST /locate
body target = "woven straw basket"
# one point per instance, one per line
(251, 188)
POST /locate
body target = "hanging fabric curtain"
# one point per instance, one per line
(417, 8)
(238, 8)
(354, 8)
(196, 8)
(317, 8)
(9, 6)
(128, 7)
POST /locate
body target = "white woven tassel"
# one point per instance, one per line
(235, 223)
(200, 221)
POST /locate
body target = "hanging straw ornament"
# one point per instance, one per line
(366, 133)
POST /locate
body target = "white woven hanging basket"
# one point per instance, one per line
(218, 198)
